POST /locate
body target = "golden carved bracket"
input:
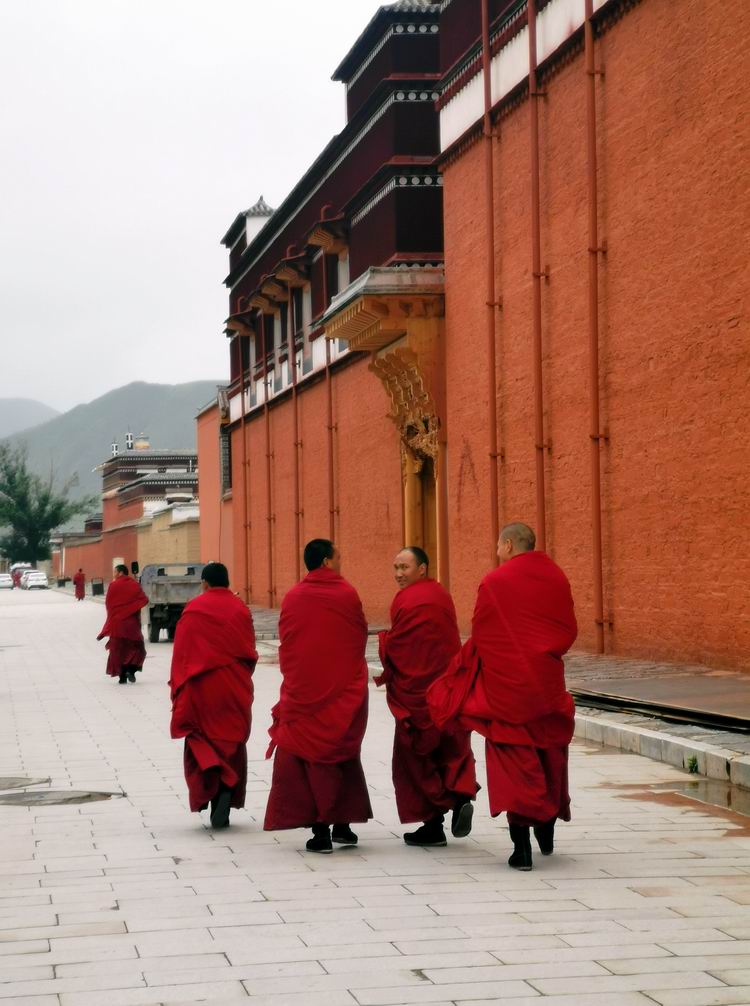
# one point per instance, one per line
(413, 409)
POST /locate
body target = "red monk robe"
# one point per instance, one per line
(127, 652)
(320, 718)
(212, 694)
(79, 582)
(433, 770)
(508, 683)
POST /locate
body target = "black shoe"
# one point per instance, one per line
(321, 840)
(131, 676)
(430, 835)
(343, 835)
(545, 837)
(123, 679)
(461, 819)
(220, 806)
(521, 858)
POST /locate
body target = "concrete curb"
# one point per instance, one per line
(712, 762)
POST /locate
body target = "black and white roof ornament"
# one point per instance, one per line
(261, 209)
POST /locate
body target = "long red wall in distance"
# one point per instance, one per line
(673, 208)
(89, 558)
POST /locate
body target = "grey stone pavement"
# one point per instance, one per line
(133, 900)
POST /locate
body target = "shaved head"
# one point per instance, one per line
(523, 538)
(515, 539)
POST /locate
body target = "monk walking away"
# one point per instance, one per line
(126, 649)
(321, 716)
(79, 582)
(508, 683)
(212, 694)
(433, 770)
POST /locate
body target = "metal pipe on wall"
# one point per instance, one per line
(536, 278)
(596, 437)
(269, 495)
(330, 425)
(245, 500)
(292, 350)
(491, 297)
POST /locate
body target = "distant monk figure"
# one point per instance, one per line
(79, 582)
(124, 601)
(320, 718)
(433, 771)
(212, 694)
(509, 685)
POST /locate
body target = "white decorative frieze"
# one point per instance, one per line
(555, 24)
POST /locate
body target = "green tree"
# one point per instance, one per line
(31, 508)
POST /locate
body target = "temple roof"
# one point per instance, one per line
(384, 15)
(414, 6)
(260, 209)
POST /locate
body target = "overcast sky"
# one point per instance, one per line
(133, 132)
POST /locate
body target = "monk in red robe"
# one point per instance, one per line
(126, 649)
(433, 770)
(320, 718)
(508, 683)
(79, 582)
(212, 694)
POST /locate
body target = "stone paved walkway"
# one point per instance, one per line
(134, 901)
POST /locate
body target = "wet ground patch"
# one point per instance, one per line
(21, 782)
(54, 797)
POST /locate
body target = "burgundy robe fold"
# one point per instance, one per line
(212, 693)
(508, 683)
(321, 716)
(432, 769)
(126, 649)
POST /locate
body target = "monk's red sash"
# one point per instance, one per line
(321, 714)
(214, 654)
(508, 682)
(417, 649)
(124, 599)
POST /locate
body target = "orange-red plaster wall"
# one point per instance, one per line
(120, 545)
(89, 558)
(674, 211)
(209, 484)
(367, 487)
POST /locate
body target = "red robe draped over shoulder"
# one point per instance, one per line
(432, 769)
(321, 716)
(508, 683)
(123, 602)
(79, 582)
(212, 693)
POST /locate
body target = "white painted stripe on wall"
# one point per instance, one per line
(555, 24)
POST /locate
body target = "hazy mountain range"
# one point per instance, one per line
(74, 442)
(21, 413)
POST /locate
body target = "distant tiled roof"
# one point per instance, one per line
(167, 478)
(261, 209)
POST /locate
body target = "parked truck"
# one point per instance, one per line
(168, 588)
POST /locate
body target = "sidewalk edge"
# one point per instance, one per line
(712, 762)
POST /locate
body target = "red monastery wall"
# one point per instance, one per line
(89, 558)
(366, 478)
(674, 341)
